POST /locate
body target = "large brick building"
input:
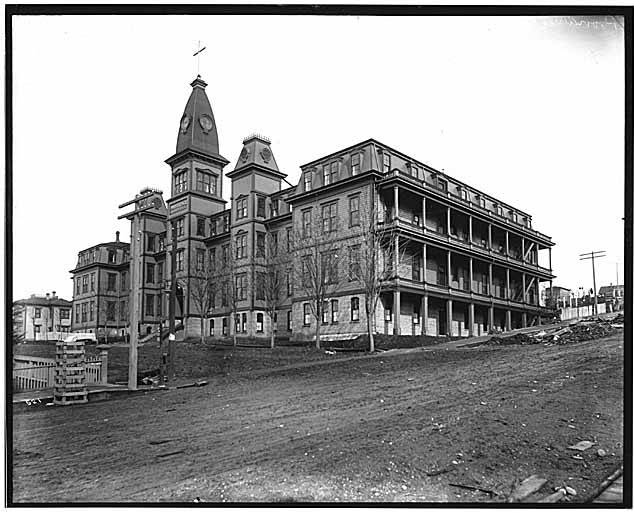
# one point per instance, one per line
(467, 262)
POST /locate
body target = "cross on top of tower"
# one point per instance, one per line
(197, 54)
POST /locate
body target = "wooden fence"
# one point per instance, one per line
(35, 373)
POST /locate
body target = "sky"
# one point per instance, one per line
(529, 110)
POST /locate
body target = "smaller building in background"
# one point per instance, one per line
(614, 295)
(41, 318)
(556, 297)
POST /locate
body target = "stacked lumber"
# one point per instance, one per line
(70, 373)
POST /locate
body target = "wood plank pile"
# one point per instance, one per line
(70, 373)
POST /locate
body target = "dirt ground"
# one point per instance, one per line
(383, 428)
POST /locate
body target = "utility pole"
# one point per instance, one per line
(172, 306)
(591, 256)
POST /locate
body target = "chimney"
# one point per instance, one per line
(47, 295)
(54, 295)
(117, 234)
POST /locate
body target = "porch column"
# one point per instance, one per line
(490, 312)
(470, 274)
(449, 317)
(523, 259)
(490, 238)
(448, 268)
(396, 202)
(508, 321)
(539, 320)
(396, 312)
(524, 323)
(523, 287)
(508, 283)
(490, 279)
(550, 259)
(472, 320)
(424, 212)
(424, 314)
(470, 229)
(396, 255)
(448, 222)
(506, 234)
(424, 263)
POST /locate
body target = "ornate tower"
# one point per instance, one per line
(197, 168)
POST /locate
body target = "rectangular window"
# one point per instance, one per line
(259, 285)
(244, 323)
(77, 313)
(123, 314)
(289, 320)
(225, 223)
(514, 216)
(212, 258)
(161, 244)
(159, 305)
(241, 287)
(289, 282)
(289, 239)
(387, 163)
(200, 259)
(180, 182)
(180, 227)
(442, 185)
(225, 254)
(306, 222)
(112, 282)
(241, 246)
(64, 313)
(353, 260)
(498, 209)
(308, 181)
(275, 207)
(112, 257)
(200, 226)
(415, 316)
(354, 309)
(84, 312)
(205, 182)
(261, 207)
(150, 243)
(355, 166)
(36, 329)
(149, 305)
(334, 311)
(111, 310)
(211, 327)
(214, 224)
(78, 291)
(306, 314)
(331, 171)
(149, 273)
(159, 273)
(463, 194)
(329, 266)
(324, 313)
(38, 313)
(259, 244)
(241, 208)
(259, 322)
(180, 257)
(354, 211)
(84, 284)
(329, 217)
(414, 170)
(92, 282)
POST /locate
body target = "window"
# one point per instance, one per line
(259, 285)
(212, 258)
(415, 316)
(149, 304)
(241, 287)
(150, 242)
(149, 273)
(211, 327)
(78, 291)
(514, 216)
(416, 268)
(387, 162)
(527, 222)
(306, 314)
(306, 222)
(261, 204)
(259, 244)
(36, 329)
(112, 257)
(354, 309)
(161, 244)
(289, 239)
(355, 166)
(180, 227)
(481, 201)
(308, 181)
(414, 171)
(200, 226)
(214, 224)
(123, 313)
(225, 254)
(498, 209)
(329, 217)
(64, 313)
(324, 313)
(273, 247)
(112, 282)
(225, 223)
(38, 313)
(275, 322)
(241, 208)
(259, 322)
(180, 182)
(354, 211)
(84, 284)
(200, 259)
(329, 266)
(334, 309)
(442, 184)
(463, 194)
(92, 282)
(306, 268)
(244, 323)
(330, 173)
(224, 325)
(241, 245)
(275, 207)
(205, 182)
(180, 256)
(289, 320)
(110, 310)
(353, 259)
(289, 282)
(388, 315)
(159, 274)
(77, 313)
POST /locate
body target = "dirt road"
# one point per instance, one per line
(398, 428)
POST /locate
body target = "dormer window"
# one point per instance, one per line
(514, 216)
(527, 222)
(330, 172)
(442, 184)
(308, 181)
(387, 162)
(498, 209)
(355, 166)
(414, 171)
(205, 182)
(463, 193)
(481, 201)
(275, 208)
(180, 182)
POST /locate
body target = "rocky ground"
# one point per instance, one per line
(407, 427)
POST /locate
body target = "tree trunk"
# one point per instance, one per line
(202, 330)
(370, 330)
(272, 331)
(317, 332)
(235, 337)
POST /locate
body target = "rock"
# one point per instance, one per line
(570, 490)
(601, 453)
(582, 446)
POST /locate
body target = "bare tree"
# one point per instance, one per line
(233, 284)
(203, 285)
(371, 259)
(317, 254)
(271, 281)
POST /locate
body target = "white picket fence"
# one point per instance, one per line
(35, 373)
